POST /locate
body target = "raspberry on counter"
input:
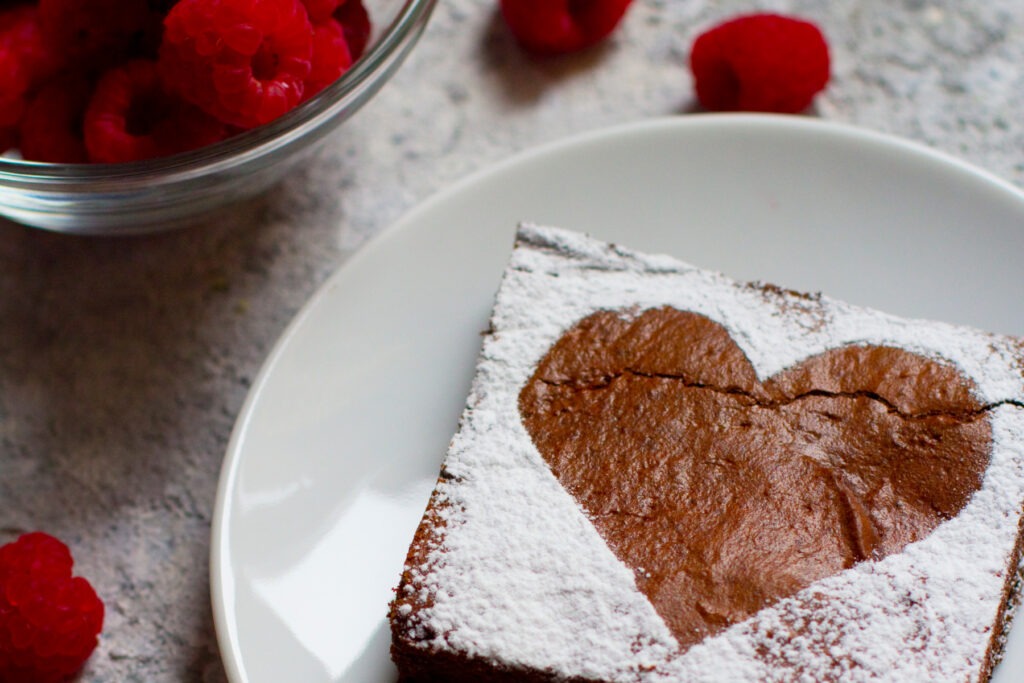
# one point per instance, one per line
(550, 27)
(49, 620)
(760, 62)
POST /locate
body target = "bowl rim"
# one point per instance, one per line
(250, 144)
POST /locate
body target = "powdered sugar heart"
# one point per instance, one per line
(724, 493)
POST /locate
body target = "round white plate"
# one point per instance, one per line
(338, 445)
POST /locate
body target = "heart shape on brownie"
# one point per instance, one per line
(725, 493)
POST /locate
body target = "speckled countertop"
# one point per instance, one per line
(124, 362)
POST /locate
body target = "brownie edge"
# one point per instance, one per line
(417, 660)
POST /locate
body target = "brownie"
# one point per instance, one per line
(662, 474)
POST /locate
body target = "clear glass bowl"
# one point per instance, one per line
(158, 194)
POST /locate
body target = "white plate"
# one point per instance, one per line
(336, 450)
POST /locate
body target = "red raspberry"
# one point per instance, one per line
(52, 127)
(97, 33)
(8, 139)
(320, 10)
(354, 18)
(161, 7)
(330, 57)
(242, 61)
(24, 60)
(561, 26)
(49, 621)
(12, 107)
(760, 62)
(132, 117)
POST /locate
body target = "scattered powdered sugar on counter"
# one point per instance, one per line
(522, 577)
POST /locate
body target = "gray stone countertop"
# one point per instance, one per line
(125, 362)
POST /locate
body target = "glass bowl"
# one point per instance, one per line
(159, 194)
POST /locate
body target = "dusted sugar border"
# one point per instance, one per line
(521, 577)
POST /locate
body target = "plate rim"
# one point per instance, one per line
(219, 579)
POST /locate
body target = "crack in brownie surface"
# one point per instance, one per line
(725, 493)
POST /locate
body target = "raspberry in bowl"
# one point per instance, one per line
(129, 116)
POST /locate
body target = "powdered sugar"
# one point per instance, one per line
(521, 576)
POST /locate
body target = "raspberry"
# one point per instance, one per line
(8, 139)
(355, 20)
(97, 33)
(161, 7)
(320, 10)
(24, 60)
(242, 61)
(12, 107)
(49, 621)
(52, 127)
(559, 26)
(132, 117)
(760, 62)
(331, 57)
